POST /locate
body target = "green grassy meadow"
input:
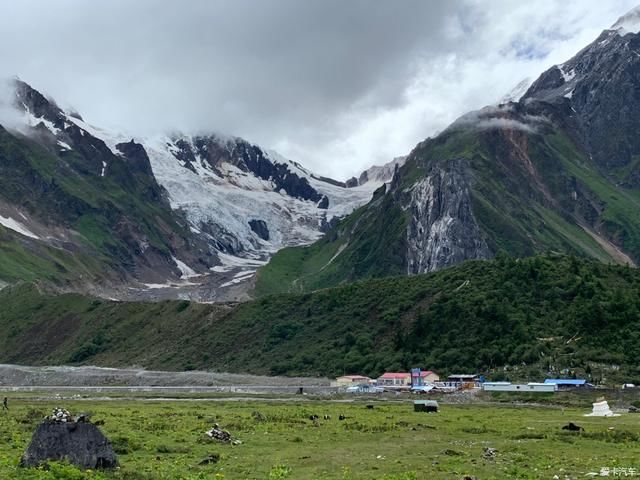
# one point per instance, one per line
(158, 439)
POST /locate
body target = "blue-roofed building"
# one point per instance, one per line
(568, 382)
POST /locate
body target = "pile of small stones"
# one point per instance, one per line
(60, 415)
(222, 436)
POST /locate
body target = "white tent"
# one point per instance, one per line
(601, 409)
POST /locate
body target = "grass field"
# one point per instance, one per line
(158, 439)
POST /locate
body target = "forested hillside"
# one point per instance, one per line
(539, 313)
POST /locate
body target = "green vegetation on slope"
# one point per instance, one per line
(540, 313)
(363, 245)
(620, 216)
(525, 195)
(114, 215)
(35, 261)
(530, 193)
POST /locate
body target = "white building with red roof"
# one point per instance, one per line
(395, 379)
(403, 379)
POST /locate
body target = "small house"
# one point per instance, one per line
(429, 377)
(516, 387)
(349, 380)
(462, 380)
(394, 380)
(423, 377)
(567, 383)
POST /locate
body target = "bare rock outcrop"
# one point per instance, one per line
(442, 229)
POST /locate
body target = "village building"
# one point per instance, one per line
(394, 379)
(463, 381)
(423, 377)
(568, 383)
(430, 377)
(349, 380)
(515, 387)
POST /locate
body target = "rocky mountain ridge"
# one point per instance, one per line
(234, 203)
(556, 170)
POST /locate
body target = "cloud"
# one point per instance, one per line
(499, 116)
(507, 123)
(10, 117)
(335, 85)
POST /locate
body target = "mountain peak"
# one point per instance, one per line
(629, 22)
(31, 100)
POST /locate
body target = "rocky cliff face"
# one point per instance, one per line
(442, 230)
(600, 84)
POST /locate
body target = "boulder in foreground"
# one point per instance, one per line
(81, 444)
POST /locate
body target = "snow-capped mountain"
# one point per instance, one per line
(250, 201)
(242, 201)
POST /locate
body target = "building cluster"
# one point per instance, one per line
(426, 380)
(415, 380)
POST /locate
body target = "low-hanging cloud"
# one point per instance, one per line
(505, 123)
(10, 117)
(502, 116)
(335, 85)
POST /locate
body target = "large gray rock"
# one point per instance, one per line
(81, 444)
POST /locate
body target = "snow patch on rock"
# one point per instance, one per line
(64, 145)
(185, 270)
(18, 227)
(32, 121)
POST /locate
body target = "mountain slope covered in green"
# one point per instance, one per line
(542, 314)
(528, 192)
(87, 226)
(556, 171)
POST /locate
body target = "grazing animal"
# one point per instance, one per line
(369, 407)
(342, 417)
(313, 417)
(327, 417)
(572, 427)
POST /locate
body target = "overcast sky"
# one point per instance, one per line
(337, 85)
